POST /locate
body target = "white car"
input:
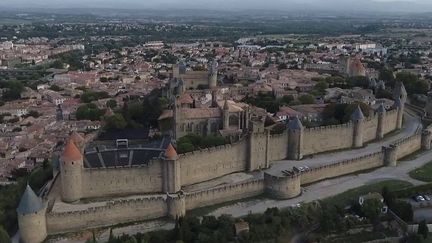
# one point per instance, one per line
(420, 198)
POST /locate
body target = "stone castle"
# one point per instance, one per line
(108, 185)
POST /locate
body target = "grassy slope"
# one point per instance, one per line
(423, 173)
(353, 194)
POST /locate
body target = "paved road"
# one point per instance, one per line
(338, 185)
(331, 187)
(411, 124)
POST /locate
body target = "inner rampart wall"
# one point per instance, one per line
(370, 129)
(214, 162)
(278, 146)
(114, 181)
(322, 139)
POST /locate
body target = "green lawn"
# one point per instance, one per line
(348, 196)
(423, 173)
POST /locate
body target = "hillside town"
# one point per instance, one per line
(102, 123)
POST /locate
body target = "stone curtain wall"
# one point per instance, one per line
(278, 146)
(345, 167)
(225, 193)
(322, 139)
(370, 128)
(284, 186)
(112, 213)
(390, 121)
(122, 181)
(408, 145)
(214, 162)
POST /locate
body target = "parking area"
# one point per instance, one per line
(421, 214)
(422, 207)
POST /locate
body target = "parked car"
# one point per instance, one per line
(426, 197)
(419, 198)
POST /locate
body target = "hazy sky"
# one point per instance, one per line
(364, 5)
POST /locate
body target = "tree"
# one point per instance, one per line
(389, 197)
(111, 104)
(403, 210)
(55, 88)
(387, 76)
(372, 209)
(307, 99)
(409, 80)
(423, 229)
(13, 90)
(4, 237)
(116, 122)
(89, 112)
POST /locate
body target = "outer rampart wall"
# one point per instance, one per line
(211, 163)
(278, 146)
(110, 214)
(408, 146)
(224, 194)
(114, 181)
(321, 139)
(342, 168)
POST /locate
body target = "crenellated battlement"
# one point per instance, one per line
(143, 202)
(212, 149)
(407, 139)
(223, 188)
(348, 161)
(330, 127)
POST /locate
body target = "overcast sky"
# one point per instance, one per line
(364, 5)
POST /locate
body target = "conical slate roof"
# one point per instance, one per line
(397, 103)
(30, 203)
(71, 152)
(170, 152)
(400, 91)
(357, 114)
(372, 83)
(295, 124)
(381, 108)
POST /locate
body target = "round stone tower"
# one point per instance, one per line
(31, 218)
(71, 166)
(357, 118)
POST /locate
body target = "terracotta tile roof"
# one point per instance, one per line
(170, 152)
(232, 105)
(71, 152)
(186, 99)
